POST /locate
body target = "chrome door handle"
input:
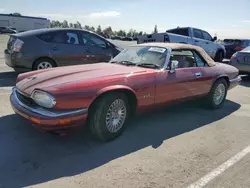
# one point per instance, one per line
(197, 74)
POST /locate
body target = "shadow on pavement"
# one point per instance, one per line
(245, 81)
(30, 157)
(8, 78)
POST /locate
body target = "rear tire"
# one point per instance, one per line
(219, 56)
(43, 63)
(108, 116)
(217, 95)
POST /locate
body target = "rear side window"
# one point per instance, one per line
(197, 34)
(47, 37)
(63, 37)
(183, 31)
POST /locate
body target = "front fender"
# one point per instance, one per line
(112, 88)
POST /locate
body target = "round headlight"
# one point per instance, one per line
(43, 99)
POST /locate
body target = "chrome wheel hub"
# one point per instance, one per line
(44, 65)
(116, 116)
(219, 94)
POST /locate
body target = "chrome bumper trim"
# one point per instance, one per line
(45, 112)
(238, 79)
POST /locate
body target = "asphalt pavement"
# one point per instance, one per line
(180, 146)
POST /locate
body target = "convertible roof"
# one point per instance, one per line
(179, 46)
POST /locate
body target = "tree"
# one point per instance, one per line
(52, 24)
(155, 29)
(92, 29)
(99, 30)
(140, 33)
(121, 33)
(65, 24)
(16, 14)
(78, 25)
(71, 25)
(87, 27)
(108, 32)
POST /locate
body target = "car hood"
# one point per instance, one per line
(56, 77)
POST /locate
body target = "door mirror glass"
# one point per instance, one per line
(215, 39)
(173, 66)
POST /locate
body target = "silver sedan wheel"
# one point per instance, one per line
(219, 94)
(44, 65)
(116, 116)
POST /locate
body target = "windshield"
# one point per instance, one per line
(247, 49)
(142, 55)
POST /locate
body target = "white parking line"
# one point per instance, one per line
(216, 172)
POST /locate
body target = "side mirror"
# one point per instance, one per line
(173, 66)
(215, 39)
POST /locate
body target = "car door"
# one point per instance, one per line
(183, 83)
(209, 46)
(198, 39)
(65, 48)
(98, 49)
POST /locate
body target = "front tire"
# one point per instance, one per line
(217, 95)
(109, 115)
(219, 56)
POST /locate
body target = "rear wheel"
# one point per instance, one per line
(217, 95)
(219, 56)
(109, 115)
(43, 63)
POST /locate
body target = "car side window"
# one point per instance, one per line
(247, 43)
(98, 41)
(47, 37)
(198, 60)
(197, 33)
(92, 40)
(182, 31)
(185, 58)
(206, 36)
(66, 37)
(72, 38)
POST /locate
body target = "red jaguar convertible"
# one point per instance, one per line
(104, 95)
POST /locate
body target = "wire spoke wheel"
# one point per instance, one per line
(116, 116)
(219, 94)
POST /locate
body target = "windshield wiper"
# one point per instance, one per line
(124, 62)
(150, 65)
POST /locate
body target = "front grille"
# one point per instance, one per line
(25, 100)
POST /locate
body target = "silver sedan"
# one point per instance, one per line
(241, 60)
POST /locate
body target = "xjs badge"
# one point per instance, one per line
(32, 78)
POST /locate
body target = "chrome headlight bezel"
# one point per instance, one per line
(47, 101)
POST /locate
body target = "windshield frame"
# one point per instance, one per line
(167, 57)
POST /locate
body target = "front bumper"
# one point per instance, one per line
(234, 82)
(48, 119)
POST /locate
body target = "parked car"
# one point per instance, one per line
(188, 35)
(46, 48)
(127, 39)
(107, 94)
(235, 45)
(241, 60)
(115, 38)
(7, 30)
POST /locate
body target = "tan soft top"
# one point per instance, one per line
(179, 46)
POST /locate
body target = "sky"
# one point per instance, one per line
(224, 18)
